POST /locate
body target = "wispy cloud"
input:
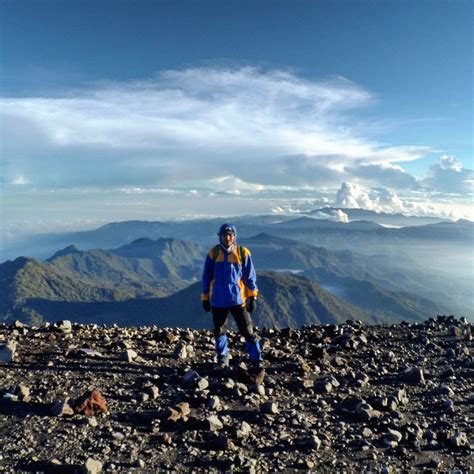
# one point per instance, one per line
(269, 127)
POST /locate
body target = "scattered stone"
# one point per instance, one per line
(180, 411)
(180, 351)
(62, 408)
(90, 403)
(269, 408)
(393, 435)
(92, 466)
(458, 440)
(202, 383)
(92, 421)
(214, 424)
(63, 326)
(90, 353)
(258, 389)
(244, 430)
(7, 351)
(367, 417)
(323, 386)
(117, 436)
(129, 355)
(309, 442)
(153, 391)
(214, 402)
(413, 376)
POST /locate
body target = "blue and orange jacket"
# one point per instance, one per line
(226, 280)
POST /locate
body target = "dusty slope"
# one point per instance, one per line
(343, 399)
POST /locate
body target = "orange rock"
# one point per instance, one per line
(91, 403)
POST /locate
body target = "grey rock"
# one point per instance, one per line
(92, 421)
(62, 408)
(129, 355)
(153, 391)
(90, 352)
(258, 389)
(64, 326)
(7, 351)
(244, 430)
(214, 424)
(393, 435)
(269, 408)
(413, 376)
(401, 396)
(323, 386)
(366, 412)
(191, 377)
(92, 466)
(117, 436)
(202, 383)
(458, 440)
(180, 351)
(228, 383)
(309, 442)
(214, 402)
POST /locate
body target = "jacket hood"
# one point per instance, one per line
(225, 226)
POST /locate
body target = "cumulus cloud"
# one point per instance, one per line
(418, 203)
(386, 174)
(449, 175)
(353, 195)
(336, 215)
(270, 127)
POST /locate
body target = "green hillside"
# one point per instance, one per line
(286, 300)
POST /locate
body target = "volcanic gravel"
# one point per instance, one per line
(343, 397)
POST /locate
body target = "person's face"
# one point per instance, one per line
(227, 239)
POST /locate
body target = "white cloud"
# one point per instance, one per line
(233, 184)
(352, 195)
(336, 215)
(448, 162)
(449, 175)
(286, 209)
(384, 173)
(269, 127)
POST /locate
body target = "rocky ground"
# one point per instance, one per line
(334, 398)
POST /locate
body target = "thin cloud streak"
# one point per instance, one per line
(201, 122)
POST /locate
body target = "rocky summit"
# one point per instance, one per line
(345, 397)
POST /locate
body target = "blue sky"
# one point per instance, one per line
(233, 103)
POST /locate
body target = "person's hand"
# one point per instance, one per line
(206, 305)
(251, 304)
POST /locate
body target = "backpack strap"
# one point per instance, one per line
(241, 255)
(240, 250)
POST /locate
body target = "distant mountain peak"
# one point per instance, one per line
(147, 242)
(70, 249)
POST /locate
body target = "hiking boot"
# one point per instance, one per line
(258, 371)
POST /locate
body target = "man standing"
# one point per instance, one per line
(229, 284)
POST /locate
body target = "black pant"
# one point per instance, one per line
(241, 317)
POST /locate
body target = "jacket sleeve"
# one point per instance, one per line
(207, 277)
(249, 276)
